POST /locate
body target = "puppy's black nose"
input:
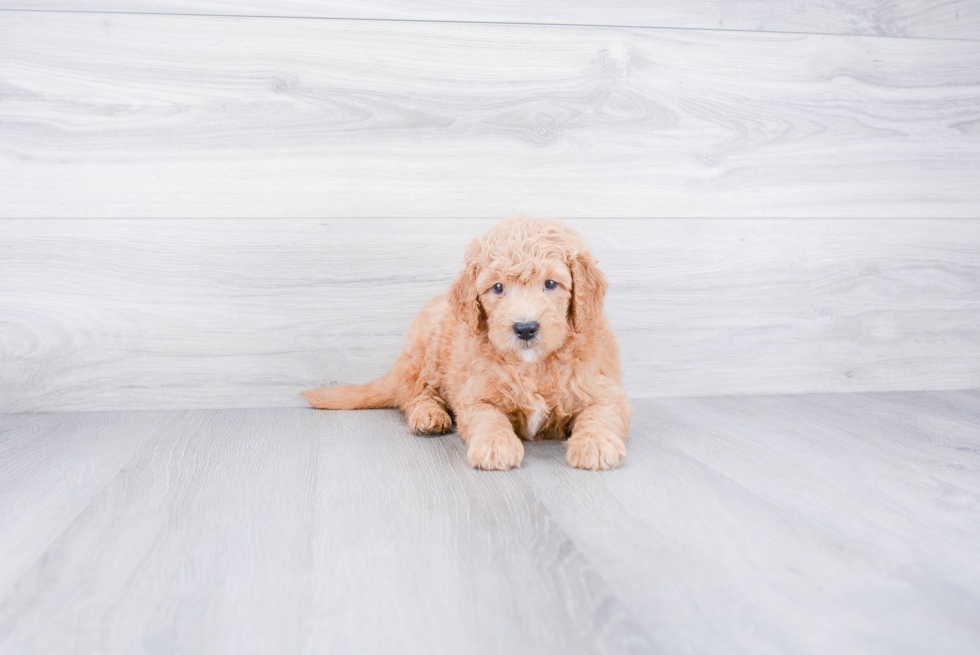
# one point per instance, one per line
(526, 331)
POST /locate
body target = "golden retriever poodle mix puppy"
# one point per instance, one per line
(518, 348)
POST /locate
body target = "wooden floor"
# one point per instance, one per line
(791, 524)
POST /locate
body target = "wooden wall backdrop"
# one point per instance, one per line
(958, 19)
(119, 314)
(137, 115)
(341, 161)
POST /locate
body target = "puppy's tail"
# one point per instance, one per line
(377, 394)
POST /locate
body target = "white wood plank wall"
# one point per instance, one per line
(120, 314)
(957, 19)
(159, 115)
(829, 127)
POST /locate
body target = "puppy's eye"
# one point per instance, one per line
(498, 288)
(550, 285)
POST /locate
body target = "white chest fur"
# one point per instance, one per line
(535, 420)
(534, 423)
(533, 410)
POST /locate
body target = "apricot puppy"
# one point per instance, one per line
(517, 348)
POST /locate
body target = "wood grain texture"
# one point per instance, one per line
(846, 523)
(788, 524)
(139, 115)
(56, 465)
(117, 314)
(910, 18)
(288, 531)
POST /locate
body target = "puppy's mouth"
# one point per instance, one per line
(527, 344)
(528, 350)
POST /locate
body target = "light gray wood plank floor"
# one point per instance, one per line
(772, 524)
(136, 115)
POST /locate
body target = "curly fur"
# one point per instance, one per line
(462, 357)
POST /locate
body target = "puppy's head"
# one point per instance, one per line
(527, 285)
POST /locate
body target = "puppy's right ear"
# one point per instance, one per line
(463, 294)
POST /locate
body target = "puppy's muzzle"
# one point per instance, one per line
(526, 331)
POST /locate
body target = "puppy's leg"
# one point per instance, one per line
(490, 439)
(426, 414)
(598, 438)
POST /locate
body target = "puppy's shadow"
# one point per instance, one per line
(544, 451)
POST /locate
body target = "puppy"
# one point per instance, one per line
(517, 348)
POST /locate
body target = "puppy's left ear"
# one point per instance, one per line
(589, 287)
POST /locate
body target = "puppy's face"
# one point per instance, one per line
(526, 308)
(528, 286)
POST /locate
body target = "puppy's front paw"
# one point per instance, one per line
(594, 451)
(495, 452)
(429, 418)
